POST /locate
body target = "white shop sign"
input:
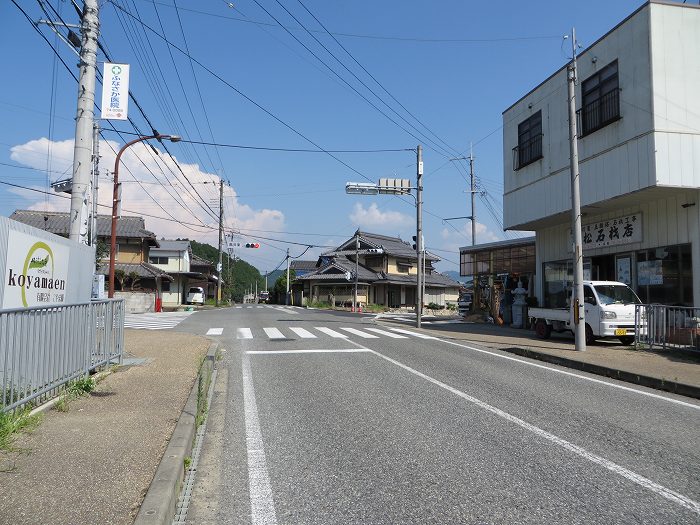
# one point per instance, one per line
(36, 273)
(624, 229)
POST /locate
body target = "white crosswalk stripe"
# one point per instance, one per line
(244, 333)
(387, 334)
(362, 334)
(414, 334)
(215, 331)
(330, 332)
(155, 321)
(302, 332)
(274, 333)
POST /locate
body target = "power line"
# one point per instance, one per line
(372, 37)
(249, 99)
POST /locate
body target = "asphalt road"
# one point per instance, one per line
(308, 426)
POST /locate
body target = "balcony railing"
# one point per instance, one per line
(527, 152)
(599, 113)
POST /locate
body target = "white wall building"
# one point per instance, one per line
(638, 106)
(174, 257)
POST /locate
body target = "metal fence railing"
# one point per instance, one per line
(43, 348)
(663, 327)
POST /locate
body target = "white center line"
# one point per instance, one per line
(330, 332)
(362, 334)
(262, 505)
(387, 334)
(302, 332)
(572, 374)
(244, 333)
(274, 333)
(630, 475)
(215, 331)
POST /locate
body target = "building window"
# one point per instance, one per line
(529, 148)
(600, 95)
(165, 286)
(665, 275)
(158, 260)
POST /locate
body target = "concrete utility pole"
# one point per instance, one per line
(419, 232)
(577, 303)
(82, 151)
(472, 191)
(219, 267)
(95, 181)
(286, 299)
(357, 265)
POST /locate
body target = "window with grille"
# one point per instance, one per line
(600, 95)
(529, 148)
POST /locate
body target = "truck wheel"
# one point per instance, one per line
(542, 329)
(590, 338)
(626, 340)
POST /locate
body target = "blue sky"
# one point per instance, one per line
(455, 65)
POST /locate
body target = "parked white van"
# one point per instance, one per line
(195, 295)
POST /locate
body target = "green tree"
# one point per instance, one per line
(279, 290)
(120, 275)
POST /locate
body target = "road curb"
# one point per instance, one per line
(159, 504)
(629, 377)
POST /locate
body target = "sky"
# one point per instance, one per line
(368, 79)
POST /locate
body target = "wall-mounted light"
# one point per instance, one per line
(594, 59)
(529, 106)
(687, 205)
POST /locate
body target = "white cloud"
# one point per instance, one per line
(171, 195)
(373, 217)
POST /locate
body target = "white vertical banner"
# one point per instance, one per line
(115, 91)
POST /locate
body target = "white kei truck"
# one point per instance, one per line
(609, 312)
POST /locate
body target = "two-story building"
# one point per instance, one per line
(386, 274)
(133, 243)
(638, 139)
(174, 258)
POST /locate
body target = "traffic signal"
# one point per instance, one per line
(252, 245)
(415, 241)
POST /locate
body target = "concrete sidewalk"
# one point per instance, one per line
(672, 370)
(94, 463)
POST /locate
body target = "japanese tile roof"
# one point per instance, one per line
(302, 265)
(436, 280)
(144, 270)
(167, 245)
(57, 222)
(200, 261)
(336, 268)
(393, 246)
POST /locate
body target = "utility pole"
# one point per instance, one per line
(419, 231)
(95, 181)
(577, 303)
(357, 265)
(256, 291)
(472, 191)
(82, 150)
(219, 267)
(286, 299)
(266, 288)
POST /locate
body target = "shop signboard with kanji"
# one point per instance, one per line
(624, 229)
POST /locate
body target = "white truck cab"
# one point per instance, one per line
(609, 312)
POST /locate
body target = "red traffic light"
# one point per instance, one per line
(252, 245)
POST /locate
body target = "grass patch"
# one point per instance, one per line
(374, 308)
(13, 423)
(73, 390)
(324, 305)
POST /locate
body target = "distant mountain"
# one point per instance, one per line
(454, 275)
(273, 276)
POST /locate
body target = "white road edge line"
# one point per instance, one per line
(262, 505)
(566, 373)
(640, 480)
(311, 351)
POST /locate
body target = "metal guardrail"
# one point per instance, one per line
(43, 348)
(665, 327)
